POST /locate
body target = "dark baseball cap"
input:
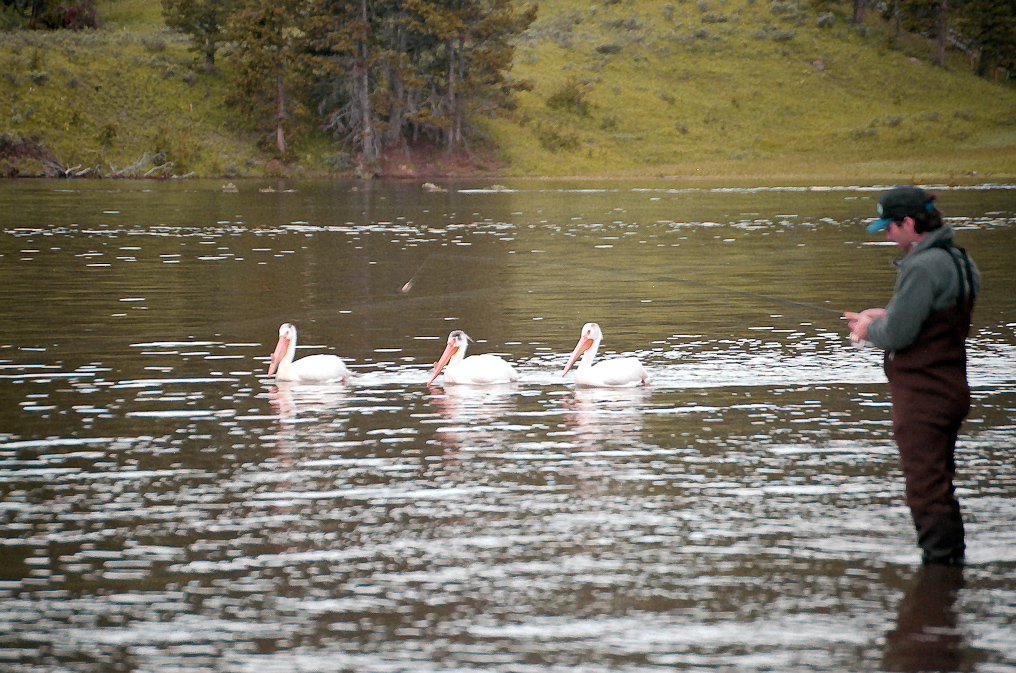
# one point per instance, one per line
(898, 203)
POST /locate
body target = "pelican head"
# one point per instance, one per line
(458, 341)
(589, 340)
(285, 348)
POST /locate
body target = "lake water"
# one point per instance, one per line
(167, 507)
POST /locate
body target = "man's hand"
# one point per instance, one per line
(858, 322)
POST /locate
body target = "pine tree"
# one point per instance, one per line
(472, 53)
(403, 43)
(204, 20)
(488, 57)
(396, 70)
(268, 69)
(342, 38)
(991, 26)
(928, 17)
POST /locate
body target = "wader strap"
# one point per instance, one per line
(966, 280)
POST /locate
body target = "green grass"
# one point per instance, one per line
(102, 99)
(630, 89)
(109, 99)
(131, 14)
(688, 96)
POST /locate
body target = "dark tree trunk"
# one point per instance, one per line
(940, 54)
(368, 142)
(210, 46)
(452, 102)
(397, 113)
(280, 134)
(984, 63)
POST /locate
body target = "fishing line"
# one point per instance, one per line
(716, 289)
(408, 286)
(726, 290)
(756, 295)
(402, 294)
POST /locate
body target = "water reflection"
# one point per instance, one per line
(291, 400)
(927, 636)
(308, 414)
(469, 404)
(473, 418)
(602, 417)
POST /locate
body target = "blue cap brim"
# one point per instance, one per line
(879, 225)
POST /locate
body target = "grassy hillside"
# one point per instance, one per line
(622, 88)
(745, 87)
(103, 99)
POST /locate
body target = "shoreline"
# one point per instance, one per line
(32, 160)
(785, 179)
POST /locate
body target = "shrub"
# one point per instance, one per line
(624, 24)
(106, 134)
(784, 8)
(571, 97)
(861, 134)
(1007, 119)
(555, 138)
(337, 162)
(153, 44)
(30, 168)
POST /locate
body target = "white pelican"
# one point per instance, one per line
(475, 370)
(615, 373)
(311, 369)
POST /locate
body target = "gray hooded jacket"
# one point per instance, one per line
(928, 281)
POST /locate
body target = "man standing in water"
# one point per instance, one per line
(923, 331)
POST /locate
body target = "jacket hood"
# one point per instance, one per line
(937, 238)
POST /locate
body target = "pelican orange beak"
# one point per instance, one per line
(280, 351)
(449, 351)
(581, 347)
